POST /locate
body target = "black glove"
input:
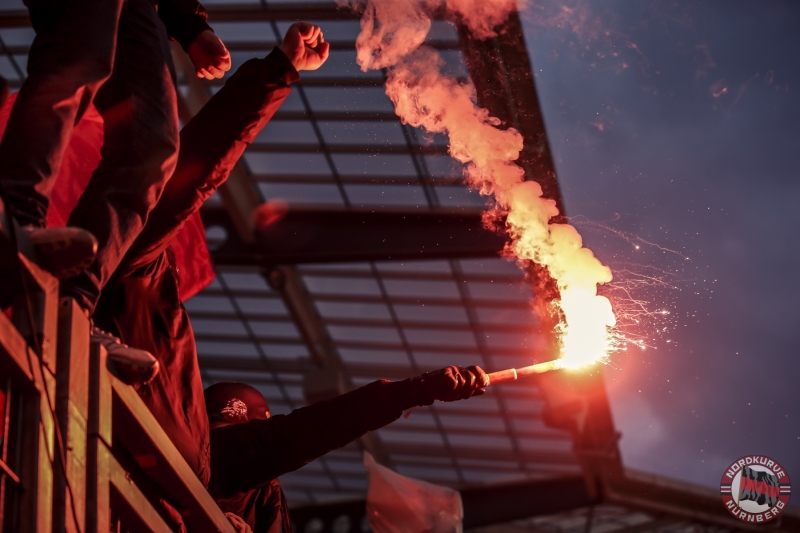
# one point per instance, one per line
(450, 384)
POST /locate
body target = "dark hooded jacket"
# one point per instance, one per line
(140, 304)
(247, 459)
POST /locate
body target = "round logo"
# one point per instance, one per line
(755, 489)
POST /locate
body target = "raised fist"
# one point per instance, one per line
(305, 46)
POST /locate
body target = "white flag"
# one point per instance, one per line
(397, 504)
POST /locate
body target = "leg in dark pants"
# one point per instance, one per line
(70, 58)
(139, 106)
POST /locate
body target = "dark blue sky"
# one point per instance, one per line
(678, 122)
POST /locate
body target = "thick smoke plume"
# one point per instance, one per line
(391, 37)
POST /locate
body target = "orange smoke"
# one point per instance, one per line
(391, 37)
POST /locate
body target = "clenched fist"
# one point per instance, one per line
(210, 57)
(451, 383)
(305, 46)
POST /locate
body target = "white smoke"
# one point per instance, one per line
(391, 37)
(391, 29)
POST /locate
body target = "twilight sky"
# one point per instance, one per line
(678, 122)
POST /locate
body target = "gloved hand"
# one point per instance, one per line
(450, 384)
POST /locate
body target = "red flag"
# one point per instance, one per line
(759, 486)
(399, 504)
(80, 160)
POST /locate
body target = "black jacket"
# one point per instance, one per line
(184, 19)
(140, 303)
(246, 459)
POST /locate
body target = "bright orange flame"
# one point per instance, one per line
(424, 97)
(585, 337)
(586, 332)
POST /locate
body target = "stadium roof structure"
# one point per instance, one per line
(381, 268)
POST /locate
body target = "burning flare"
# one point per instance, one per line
(391, 37)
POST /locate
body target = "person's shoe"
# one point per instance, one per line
(135, 367)
(64, 252)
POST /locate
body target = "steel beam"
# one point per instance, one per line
(327, 81)
(501, 70)
(526, 355)
(412, 276)
(396, 300)
(405, 275)
(336, 148)
(348, 116)
(323, 179)
(363, 323)
(290, 12)
(315, 236)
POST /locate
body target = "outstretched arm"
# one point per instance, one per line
(250, 455)
(214, 140)
(186, 21)
(210, 145)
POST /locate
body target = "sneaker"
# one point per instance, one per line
(64, 252)
(135, 367)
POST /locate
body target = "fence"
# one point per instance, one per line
(79, 450)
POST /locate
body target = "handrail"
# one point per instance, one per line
(30, 383)
(84, 414)
(118, 418)
(144, 437)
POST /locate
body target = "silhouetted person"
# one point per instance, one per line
(116, 54)
(250, 448)
(141, 302)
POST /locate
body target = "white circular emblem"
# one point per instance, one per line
(755, 489)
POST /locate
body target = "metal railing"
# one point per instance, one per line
(79, 450)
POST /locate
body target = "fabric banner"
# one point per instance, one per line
(81, 158)
(397, 504)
